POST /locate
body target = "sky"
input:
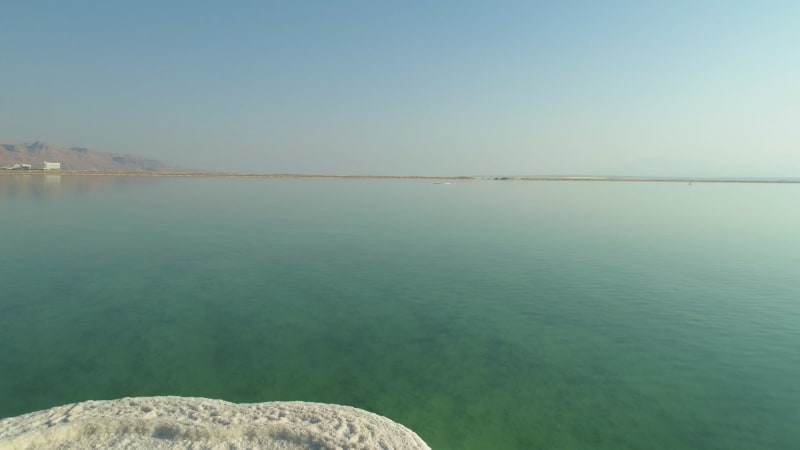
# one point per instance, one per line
(667, 88)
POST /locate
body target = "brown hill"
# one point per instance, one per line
(75, 158)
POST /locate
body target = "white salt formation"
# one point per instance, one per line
(200, 423)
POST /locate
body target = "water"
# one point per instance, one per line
(480, 314)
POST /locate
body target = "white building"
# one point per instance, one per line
(52, 166)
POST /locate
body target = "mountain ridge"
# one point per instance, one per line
(75, 158)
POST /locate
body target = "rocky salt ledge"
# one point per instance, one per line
(200, 423)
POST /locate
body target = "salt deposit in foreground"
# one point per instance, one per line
(201, 423)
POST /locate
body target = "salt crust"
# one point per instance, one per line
(201, 423)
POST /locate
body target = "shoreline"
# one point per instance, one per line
(398, 177)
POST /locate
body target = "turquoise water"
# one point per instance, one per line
(480, 314)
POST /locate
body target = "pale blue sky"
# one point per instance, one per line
(684, 88)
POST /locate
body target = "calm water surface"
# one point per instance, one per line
(481, 314)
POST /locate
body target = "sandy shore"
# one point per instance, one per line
(200, 423)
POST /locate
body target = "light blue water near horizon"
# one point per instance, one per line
(480, 314)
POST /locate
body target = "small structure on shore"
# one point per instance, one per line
(51, 166)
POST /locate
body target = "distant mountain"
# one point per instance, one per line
(75, 158)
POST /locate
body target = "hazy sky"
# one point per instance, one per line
(412, 87)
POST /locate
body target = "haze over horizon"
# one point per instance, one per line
(708, 89)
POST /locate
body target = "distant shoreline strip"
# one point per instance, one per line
(396, 177)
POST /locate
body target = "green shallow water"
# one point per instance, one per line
(479, 314)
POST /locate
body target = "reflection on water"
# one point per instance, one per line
(52, 181)
(38, 187)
